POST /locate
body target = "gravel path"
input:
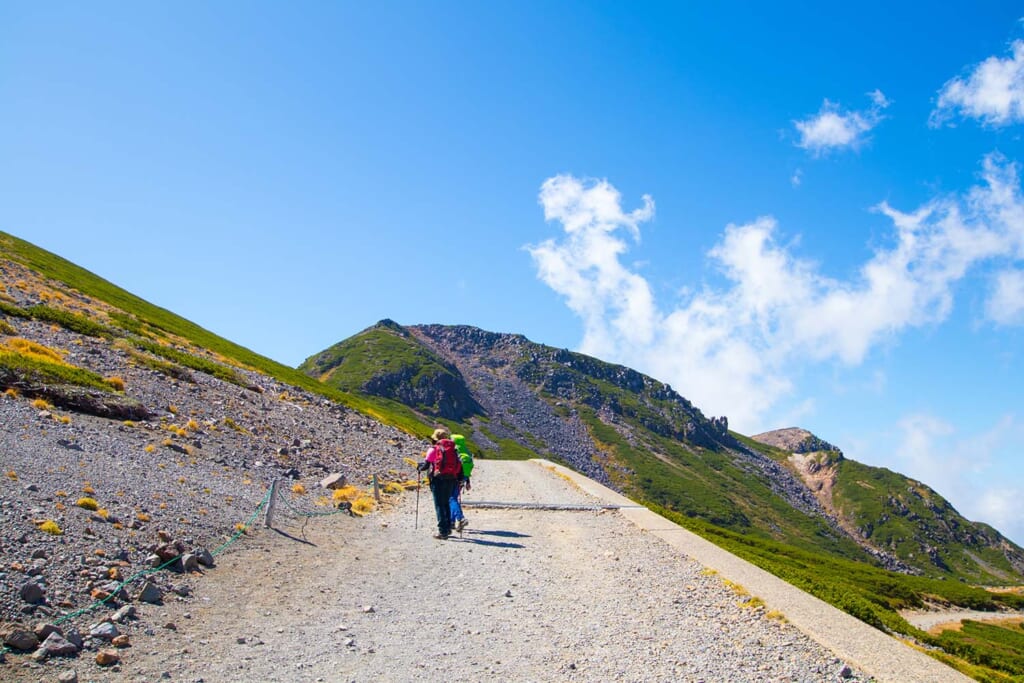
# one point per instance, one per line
(524, 595)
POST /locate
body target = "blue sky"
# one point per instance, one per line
(795, 217)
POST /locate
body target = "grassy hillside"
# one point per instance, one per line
(142, 320)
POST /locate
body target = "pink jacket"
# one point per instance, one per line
(433, 455)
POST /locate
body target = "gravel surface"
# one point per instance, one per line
(523, 595)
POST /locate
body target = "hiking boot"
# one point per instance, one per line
(441, 537)
(461, 524)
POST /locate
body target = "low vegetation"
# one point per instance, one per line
(875, 595)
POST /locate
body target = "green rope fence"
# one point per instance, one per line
(145, 572)
(302, 513)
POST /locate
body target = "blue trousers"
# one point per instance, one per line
(454, 503)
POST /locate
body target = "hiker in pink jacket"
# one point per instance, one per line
(443, 468)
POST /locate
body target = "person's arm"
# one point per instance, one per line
(433, 456)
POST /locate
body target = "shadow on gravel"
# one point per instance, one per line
(294, 538)
(480, 541)
(504, 534)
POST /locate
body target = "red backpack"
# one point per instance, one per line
(449, 466)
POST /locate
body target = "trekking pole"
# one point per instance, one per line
(416, 525)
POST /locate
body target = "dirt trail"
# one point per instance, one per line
(524, 595)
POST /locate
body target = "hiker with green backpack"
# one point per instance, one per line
(443, 468)
(459, 521)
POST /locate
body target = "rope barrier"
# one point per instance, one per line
(153, 570)
(145, 572)
(302, 513)
(545, 506)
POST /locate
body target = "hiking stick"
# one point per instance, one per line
(416, 525)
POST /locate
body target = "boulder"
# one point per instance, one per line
(150, 593)
(56, 645)
(107, 657)
(189, 562)
(204, 556)
(333, 481)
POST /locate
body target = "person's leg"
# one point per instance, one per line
(442, 490)
(456, 507)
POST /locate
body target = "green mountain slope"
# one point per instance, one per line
(153, 329)
(891, 512)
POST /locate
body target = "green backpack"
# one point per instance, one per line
(464, 455)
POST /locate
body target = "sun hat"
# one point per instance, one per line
(439, 433)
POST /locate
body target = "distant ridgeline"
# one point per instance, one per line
(515, 398)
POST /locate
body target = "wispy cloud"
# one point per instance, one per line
(993, 92)
(833, 129)
(733, 348)
(1005, 306)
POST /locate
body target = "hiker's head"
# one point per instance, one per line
(439, 433)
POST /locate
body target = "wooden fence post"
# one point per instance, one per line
(376, 489)
(272, 503)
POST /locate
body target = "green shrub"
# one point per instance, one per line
(188, 360)
(70, 321)
(17, 370)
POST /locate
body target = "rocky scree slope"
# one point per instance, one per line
(896, 516)
(194, 463)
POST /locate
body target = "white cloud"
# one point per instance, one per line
(732, 349)
(613, 302)
(1006, 304)
(992, 92)
(796, 178)
(831, 128)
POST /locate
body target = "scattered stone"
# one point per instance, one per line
(72, 635)
(104, 631)
(150, 593)
(171, 626)
(369, 609)
(107, 657)
(44, 629)
(124, 614)
(21, 639)
(32, 593)
(67, 676)
(39, 554)
(32, 487)
(121, 641)
(508, 593)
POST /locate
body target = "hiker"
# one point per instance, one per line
(459, 521)
(443, 468)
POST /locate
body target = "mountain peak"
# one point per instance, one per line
(794, 440)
